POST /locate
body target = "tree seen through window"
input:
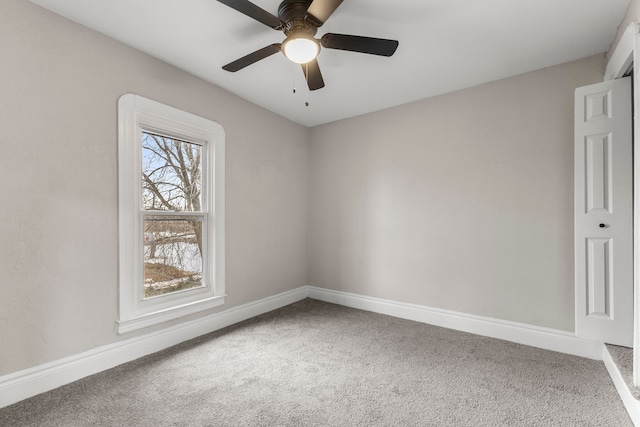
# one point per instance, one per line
(172, 214)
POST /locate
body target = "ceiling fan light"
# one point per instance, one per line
(300, 49)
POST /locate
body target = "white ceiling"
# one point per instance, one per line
(445, 45)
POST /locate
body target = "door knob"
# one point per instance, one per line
(603, 225)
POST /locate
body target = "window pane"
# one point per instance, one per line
(172, 255)
(171, 174)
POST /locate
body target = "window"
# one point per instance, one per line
(171, 213)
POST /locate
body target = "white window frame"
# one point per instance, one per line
(135, 115)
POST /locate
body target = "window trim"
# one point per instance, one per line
(135, 114)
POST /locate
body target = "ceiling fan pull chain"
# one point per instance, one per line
(306, 104)
(293, 75)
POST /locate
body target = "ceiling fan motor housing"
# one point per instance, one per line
(293, 13)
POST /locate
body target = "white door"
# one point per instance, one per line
(604, 212)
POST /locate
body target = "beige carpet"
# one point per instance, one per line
(318, 364)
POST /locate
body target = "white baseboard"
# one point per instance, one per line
(30, 382)
(546, 338)
(630, 403)
(39, 379)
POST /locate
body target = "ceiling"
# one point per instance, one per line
(445, 45)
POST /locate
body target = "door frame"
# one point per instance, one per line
(625, 54)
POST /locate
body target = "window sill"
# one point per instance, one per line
(160, 316)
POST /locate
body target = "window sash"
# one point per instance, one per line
(180, 262)
(206, 278)
(204, 164)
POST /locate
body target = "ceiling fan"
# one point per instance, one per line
(300, 20)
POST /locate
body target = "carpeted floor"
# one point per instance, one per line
(319, 364)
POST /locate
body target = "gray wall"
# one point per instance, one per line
(59, 86)
(461, 202)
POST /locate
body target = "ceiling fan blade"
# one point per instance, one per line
(249, 59)
(253, 11)
(320, 10)
(313, 75)
(371, 45)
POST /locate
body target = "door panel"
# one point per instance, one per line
(604, 212)
(598, 168)
(599, 277)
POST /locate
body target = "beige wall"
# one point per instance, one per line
(461, 202)
(59, 86)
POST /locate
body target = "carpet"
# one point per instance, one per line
(318, 364)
